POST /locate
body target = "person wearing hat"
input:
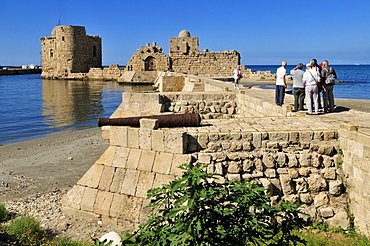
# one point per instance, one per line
(310, 79)
(280, 84)
(298, 87)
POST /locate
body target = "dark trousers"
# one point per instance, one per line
(299, 95)
(279, 94)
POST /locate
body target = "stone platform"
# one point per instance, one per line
(320, 160)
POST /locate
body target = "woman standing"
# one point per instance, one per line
(237, 76)
(310, 79)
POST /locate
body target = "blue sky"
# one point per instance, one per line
(263, 31)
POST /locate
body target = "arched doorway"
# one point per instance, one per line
(150, 64)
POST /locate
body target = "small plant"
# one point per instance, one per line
(262, 77)
(27, 231)
(3, 213)
(340, 161)
(340, 151)
(196, 210)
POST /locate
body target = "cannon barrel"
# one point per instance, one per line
(164, 120)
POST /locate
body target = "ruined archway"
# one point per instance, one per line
(150, 64)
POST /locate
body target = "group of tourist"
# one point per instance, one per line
(308, 84)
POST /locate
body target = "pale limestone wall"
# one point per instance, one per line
(69, 50)
(207, 63)
(292, 165)
(356, 150)
(114, 188)
(249, 106)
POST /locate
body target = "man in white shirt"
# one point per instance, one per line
(310, 79)
(280, 84)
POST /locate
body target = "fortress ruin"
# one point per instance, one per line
(71, 54)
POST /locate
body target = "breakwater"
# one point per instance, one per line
(19, 70)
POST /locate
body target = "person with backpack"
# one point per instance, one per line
(328, 75)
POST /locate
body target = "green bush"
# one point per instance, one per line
(197, 210)
(27, 231)
(3, 213)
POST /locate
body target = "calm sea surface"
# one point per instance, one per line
(32, 107)
(355, 79)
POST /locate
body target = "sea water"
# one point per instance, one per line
(32, 107)
(353, 81)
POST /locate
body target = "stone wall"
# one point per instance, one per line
(207, 63)
(356, 150)
(296, 166)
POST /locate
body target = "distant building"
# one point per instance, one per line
(185, 57)
(71, 54)
(69, 50)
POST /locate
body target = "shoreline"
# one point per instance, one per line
(42, 164)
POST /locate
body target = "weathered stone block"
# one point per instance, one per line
(177, 161)
(103, 202)
(317, 183)
(150, 124)
(270, 173)
(133, 158)
(281, 159)
(203, 140)
(117, 181)
(132, 208)
(106, 178)
(73, 197)
(233, 177)
(118, 136)
(88, 199)
(330, 173)
(161, 179)
(327, 212)
(234, 167)
(145, 139)
(268, 160)
(175, 142)
(306, 136)
(133, 137)
(327, 150)
(120, 158)
(145, 183)
(107, 157)
(130, 182)
(146, 160)
(92, 177)
(162, 163)
(257, 139)
(306, 198)
(335, 187)
(321, 199)
(157, 140)
(286, 184)
(305, 160)
(204, 158)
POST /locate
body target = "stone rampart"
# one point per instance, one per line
(356, 150)
(295, 165)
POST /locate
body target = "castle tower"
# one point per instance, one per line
(69, 50)
(184, 44)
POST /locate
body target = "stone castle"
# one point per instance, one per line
(69, 50)
(71, 54)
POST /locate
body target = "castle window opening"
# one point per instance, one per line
(51, 53)
(150, 64)
(63, 38)
(94, 51)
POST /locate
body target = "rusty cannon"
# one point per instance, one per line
(164, 120)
